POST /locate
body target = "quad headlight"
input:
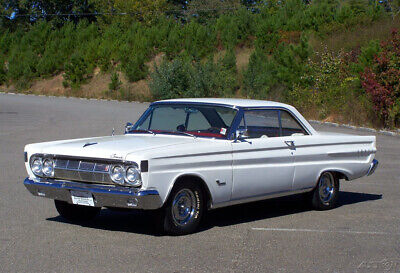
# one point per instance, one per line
(48, 167)
(132, 177)
(42, 166)
(126, 175)
(118, 174)
(36, 166)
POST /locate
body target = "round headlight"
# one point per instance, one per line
(117, 174)
(36, 166)
(133, 176)
(48, 167)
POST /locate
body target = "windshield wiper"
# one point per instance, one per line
(184, 133)
(143, 131)
(149, 131)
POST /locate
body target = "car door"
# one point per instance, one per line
(263, 162)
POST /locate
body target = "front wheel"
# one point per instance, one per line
(75, 212)
(184, 209)
(326, 193)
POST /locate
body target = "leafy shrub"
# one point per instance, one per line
(368, 53)
(76, 71)
(22, 65)
(173, 42)
(3, 72)
(323, 80)
(171, 79)
(284, 69)
(135, 69)
(6, 39)
(228, 30)
(229, 61)
(235, 27)
(259, 76)
(328, 87)
(212, 80)
(48, 65)
(115, 83)
(267, 35)
(382, 81)
(199, 40)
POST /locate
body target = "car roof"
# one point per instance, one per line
(228, 101)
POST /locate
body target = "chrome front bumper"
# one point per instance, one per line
(373, 167)
(103, 195)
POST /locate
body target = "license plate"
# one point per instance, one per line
(82, 198)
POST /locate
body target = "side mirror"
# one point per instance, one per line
(128, 127)
(240, 134)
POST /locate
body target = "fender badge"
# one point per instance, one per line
(89, 144)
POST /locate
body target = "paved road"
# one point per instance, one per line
(362, 234)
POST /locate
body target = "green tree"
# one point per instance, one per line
(64, 9)
(76, 71)
(136, 10)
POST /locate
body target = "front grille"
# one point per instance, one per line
(84, 171)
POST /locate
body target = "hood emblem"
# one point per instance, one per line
(115, 156)
(89, 144)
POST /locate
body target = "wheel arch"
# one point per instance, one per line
(338, 173)
(192, 177)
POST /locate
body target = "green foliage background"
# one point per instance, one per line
(283, 66)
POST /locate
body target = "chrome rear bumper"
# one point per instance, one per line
(103, 195)
(373, 167)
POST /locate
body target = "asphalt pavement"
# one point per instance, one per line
(282, 235)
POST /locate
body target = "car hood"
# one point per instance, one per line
(115, 147)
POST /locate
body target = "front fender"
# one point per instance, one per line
(193, 175)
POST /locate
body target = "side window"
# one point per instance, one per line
(261, 123)
(227, 115)
(290, 126)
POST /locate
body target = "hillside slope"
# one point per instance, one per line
(324, 58)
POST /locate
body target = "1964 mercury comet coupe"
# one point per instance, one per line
(185, 156)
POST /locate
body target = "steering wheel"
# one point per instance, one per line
(181, 128)
(215, 130)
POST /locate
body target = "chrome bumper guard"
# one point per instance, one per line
(103, 195)
(373, 167)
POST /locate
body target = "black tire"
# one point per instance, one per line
(326, 193)
(75, 212)
(177, 219)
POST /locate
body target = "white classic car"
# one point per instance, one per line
(186, 156)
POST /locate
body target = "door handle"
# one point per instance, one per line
(291, 145)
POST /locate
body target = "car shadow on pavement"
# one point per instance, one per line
(272, 208)
(133, 221)
(142, 222)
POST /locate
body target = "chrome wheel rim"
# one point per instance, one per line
(183, 207)
(326, 187)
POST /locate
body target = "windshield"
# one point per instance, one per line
(195, 120)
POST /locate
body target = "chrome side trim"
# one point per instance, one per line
(103, 195)
(259, 198)
(373, 167)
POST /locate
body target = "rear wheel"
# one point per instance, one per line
(75, 212)
(326, 193)
(184, 209)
